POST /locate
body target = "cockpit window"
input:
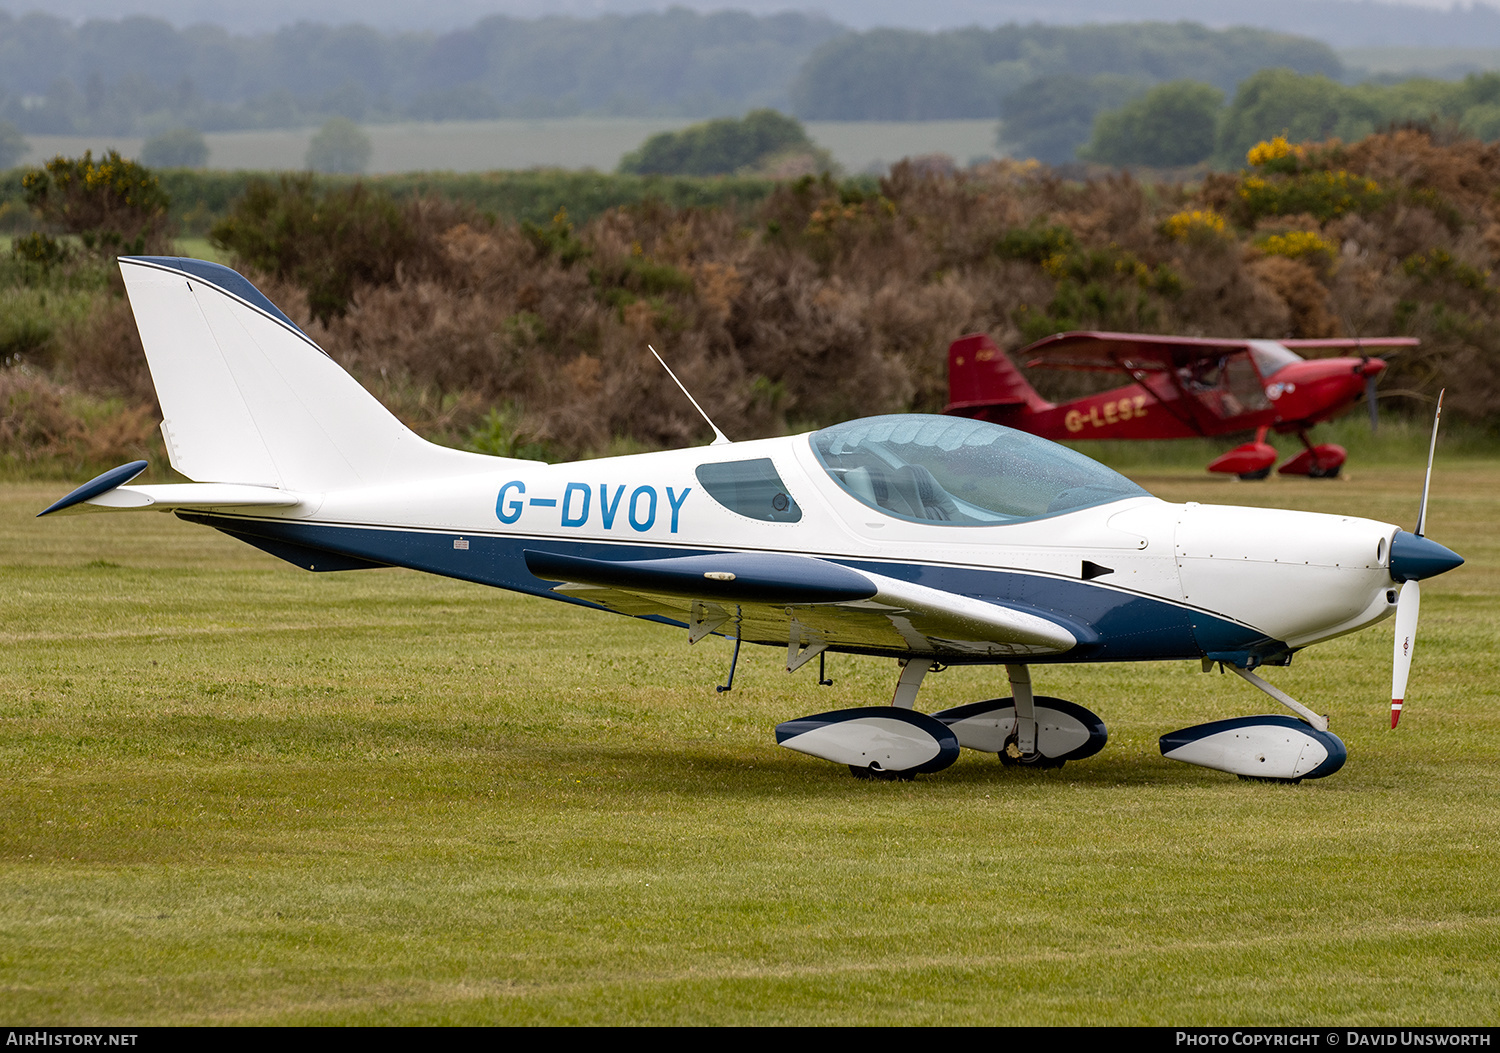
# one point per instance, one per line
(1228, 384)
(962, 472)
(1270, 356)
(751, 488)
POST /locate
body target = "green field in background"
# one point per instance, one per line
(565, 142)
(235, 792)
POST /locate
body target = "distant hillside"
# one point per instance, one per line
(1369, 24)
(140, 75)
(1341, 23)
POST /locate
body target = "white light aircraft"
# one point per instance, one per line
(928, 540)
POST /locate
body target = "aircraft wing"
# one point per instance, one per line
(1142, 352)
(1124, 352)
(1208, 384)
(807, 603)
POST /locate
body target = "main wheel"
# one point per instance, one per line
(880, 774)
(1011, 757)
(1260, 473)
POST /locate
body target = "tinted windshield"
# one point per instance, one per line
(962, 472)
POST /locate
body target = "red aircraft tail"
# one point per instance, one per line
(981, 377)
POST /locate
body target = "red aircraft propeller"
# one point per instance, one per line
(1182, 387)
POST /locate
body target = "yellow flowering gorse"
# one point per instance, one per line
(1198, 222)
(1299, 244)
(1272, 150)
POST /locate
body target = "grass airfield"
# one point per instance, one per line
(234, 792)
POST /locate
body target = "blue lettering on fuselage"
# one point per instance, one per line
(509, 512)
(580, 516)
(647, 521)
(578, 499)
(607, 509)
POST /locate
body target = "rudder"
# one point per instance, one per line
(981, 376)
(247, 397)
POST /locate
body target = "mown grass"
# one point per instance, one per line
(235, 792)
(1401, 439)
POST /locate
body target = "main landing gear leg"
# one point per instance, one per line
(912, 672)
(1020, 690)
(1021, 748)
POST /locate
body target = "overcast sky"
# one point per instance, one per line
(441, 15)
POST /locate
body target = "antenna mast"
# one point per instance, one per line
(720, 439)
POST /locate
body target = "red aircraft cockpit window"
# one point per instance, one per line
(1227, 385)
(1270, 356)
(1243, 384)
(961, 472)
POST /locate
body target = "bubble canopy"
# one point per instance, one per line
(959, 472)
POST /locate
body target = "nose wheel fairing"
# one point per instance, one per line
(1273, 748)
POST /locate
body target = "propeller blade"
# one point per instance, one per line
(1408, 606)
(1370, 401)
(1409, 603)
(1431, 449)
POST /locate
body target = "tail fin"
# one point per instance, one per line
(981, 376)
(247, 397)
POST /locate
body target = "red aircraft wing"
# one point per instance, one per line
(1210, 385)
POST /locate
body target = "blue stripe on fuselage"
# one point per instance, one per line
(1111, 625)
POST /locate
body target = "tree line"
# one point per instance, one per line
(893, 74)
(142, 76)
(1188, 122)
(1148, 94)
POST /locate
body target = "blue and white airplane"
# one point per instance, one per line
(928, 540)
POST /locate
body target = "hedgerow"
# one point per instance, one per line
(830, 299)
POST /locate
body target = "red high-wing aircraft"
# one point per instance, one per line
(1184, 387)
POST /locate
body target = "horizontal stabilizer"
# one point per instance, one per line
(107, 493)
(169, 497)
(100, 484)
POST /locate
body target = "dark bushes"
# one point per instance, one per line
(833, 299)
(112, 205)
(327, 239)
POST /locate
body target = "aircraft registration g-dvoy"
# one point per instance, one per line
(925, 539)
